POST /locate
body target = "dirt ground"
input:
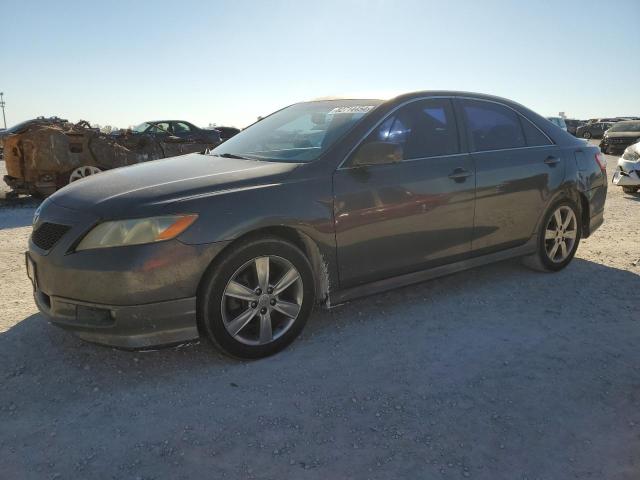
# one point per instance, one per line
(494, 373)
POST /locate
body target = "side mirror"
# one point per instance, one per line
(377, 153)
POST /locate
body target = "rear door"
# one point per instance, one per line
(518, 168)
(396, 218)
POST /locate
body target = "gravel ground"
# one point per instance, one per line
(494, 373)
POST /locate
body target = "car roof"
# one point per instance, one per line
(426, 93)
(162, 121)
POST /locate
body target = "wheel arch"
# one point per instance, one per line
(309, 247)
(569, 192)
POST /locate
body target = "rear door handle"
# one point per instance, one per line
(551, 160)
(460, 174)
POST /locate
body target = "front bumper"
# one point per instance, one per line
(131, 297)
(616, 145)
(627, 174)
(130, 327)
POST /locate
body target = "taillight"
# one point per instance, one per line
(602, 162)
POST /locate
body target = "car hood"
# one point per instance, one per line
(632, 152)
(162, 182)
(623, 134)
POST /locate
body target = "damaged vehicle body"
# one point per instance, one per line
(45, 154)
(627, 175)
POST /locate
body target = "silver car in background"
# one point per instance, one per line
(627, 175)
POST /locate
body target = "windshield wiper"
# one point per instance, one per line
(231, 155)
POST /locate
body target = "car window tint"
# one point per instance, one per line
(180, 127)
(424, 128)
(532, 134)
(492, 126)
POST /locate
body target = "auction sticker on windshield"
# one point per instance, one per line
(351, 109)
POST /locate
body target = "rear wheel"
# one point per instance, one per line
(586, 135)
(257, 300)
(558, 238)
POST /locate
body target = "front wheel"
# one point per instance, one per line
(558, 238)
(586, 135)
(257, 299)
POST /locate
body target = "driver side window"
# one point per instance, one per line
(423, 129)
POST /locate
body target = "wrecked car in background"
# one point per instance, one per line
(45, 154)
(627, 175)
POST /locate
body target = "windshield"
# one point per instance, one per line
(625, 127)
(299, 133)
(141, 128)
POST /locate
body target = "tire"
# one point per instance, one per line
(541, 260)
(235, 324)
(630, 189)
(586, 135)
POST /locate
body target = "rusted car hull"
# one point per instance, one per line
(41, 159)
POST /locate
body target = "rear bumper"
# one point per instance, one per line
(130, 327)
(596, 221)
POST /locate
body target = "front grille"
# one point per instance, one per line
(48, 234)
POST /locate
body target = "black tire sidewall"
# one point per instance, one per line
(215, 281)
(542, 252)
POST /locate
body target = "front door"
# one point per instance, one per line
(401, 217)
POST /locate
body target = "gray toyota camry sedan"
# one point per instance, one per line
(318, 203)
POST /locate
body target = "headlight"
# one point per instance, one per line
(136, 231)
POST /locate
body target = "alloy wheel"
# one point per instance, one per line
(560, 234)
(262, 300)
(82, 172)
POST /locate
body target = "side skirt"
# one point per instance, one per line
(378, 286)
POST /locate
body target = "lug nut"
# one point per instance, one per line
(263, 310)
(254, 304)
(270, 290)
(258, 291)
(273, 301)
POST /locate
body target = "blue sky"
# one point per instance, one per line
(121, 63)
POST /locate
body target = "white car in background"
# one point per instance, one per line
(627, 175)
(558, 121)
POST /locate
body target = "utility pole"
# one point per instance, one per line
(2, 104)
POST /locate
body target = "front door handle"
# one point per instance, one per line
(551, 160)
(460, 174)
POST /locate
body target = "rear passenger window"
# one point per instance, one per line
(492, 126)
(424, 128)
(533, 135)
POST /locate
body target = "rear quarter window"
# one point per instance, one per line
(533, 136)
